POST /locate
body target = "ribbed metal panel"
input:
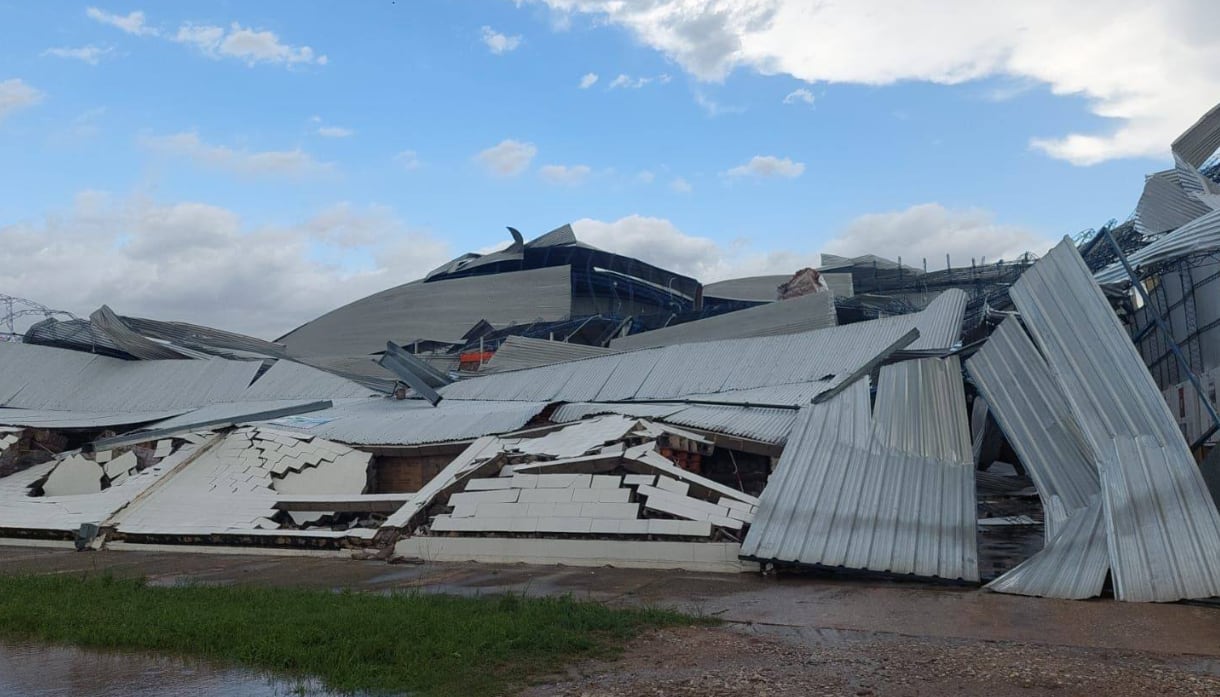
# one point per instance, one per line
(921, 410)
(39, 377)
(755, 423)
(840, 497)
(1199, 235)
(825, 356)
(439, 310)
(414, 422)
(1034, 414)
(289, 380)
(40, 418)
(1165, 205)
(803, 314)
(518, 352)
(1201, 140)
(1164, 530)
(1073, 564)
(237, 413)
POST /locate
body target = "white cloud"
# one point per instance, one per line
(588, 80)
(335, 132)
(201, 263)
(768, 166)
(715, 108)
(645, 177)
(799, 96)
(930, 231)
(681, 185)
(251, 46)
(408, 159)
(634, 83)
(132, 23)
(564, 174)
(499, 43)
(924, 231)
(89, 54)
(293, 163)
(509, 158)
(16, 94)
(1147, 94)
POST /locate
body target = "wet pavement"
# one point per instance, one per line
(37, 670)
(793, 603)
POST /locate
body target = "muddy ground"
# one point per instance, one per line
(741, 660)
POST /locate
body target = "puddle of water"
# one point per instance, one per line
(37, 670)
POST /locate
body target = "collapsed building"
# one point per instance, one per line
(555, 403)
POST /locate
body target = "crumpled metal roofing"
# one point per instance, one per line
(803, 314)
(1162, 526)
(237, 413)
(766, 288)
(290, 380)
(1199, 235)
(415, 422)
(842, 496)
(1032, 410)
(1073, 564)
(43, 418)
(439, 310)
(756, 423)
(1165, 204)
(39, 377)
(710, 368)
(518, 352)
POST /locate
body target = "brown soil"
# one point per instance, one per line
(717, 662)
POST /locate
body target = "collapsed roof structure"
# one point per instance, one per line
(555, 403)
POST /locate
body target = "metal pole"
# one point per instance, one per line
(1160, 323)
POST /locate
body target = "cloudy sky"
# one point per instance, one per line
(250, 165)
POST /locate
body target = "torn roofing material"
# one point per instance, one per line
(107, 322)
(441, 310)
(756, 423)
(290, 380)
(38, 377)
(49, 418)
(1073, 564)
(766, 288)
(413, 422)
(1163, 528)
(519, 352)
(1032, 410)
(825, 356)
(803, 314)
(834, 502)
(843, 495)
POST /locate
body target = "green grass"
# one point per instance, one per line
(409, 642)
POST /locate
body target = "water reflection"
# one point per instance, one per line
(36, 670)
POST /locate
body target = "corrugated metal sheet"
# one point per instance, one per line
(826, 356)
(38, 377)
(1164, 530)
(1201, 140)
(921, 410)
(439, 310)
(766, 288)
(1165, 205)
(1073, 564)
(840, 497)
(41, 418)
(755, 423)
(1199, 235)
(803, 314)
(580, 438)
(106, 321)
(414, 422)
(1034, 414)
(289, 380)
(237, 413)
(518, 352)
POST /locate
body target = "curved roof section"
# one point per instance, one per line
(438, 310)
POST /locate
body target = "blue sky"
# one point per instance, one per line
(348, 137)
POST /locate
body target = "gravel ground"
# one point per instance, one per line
(725, 661)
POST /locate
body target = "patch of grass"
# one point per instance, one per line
(408, 642)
